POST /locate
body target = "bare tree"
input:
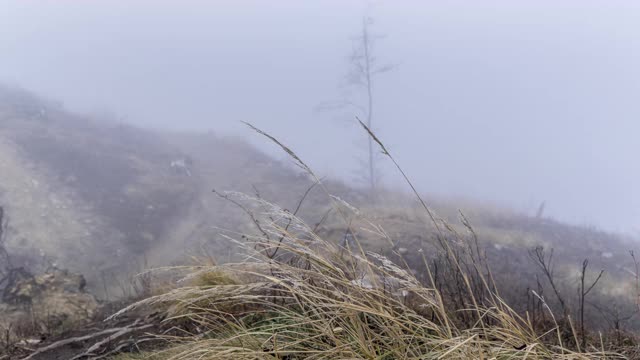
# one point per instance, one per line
(363, 69)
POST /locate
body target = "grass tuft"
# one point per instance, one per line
(300, 296)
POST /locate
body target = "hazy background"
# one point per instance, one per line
(503, 101)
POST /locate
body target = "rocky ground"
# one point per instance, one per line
(51, 316)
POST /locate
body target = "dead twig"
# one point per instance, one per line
(583, 295)
(72, 340)
(243, 208)
(545, 263)
(124, 331)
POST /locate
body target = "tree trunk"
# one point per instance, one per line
(367, 60)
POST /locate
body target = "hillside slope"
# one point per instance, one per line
(106, 200)
(103, 198)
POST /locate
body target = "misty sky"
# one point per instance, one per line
(514, 102)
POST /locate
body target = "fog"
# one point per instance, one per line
(507, 102)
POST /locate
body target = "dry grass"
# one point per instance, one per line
(317, 300)
(300, 296)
